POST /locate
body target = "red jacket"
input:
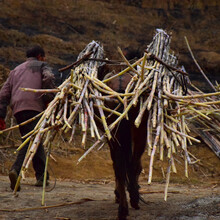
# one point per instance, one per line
(30, 74)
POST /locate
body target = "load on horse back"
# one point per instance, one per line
(127, 145)
(132, 107)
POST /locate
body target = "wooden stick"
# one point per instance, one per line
(47, 207)
(77, 63)
(152, 56)
(204, 75)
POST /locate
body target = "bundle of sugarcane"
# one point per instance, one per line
(204, 119)
(160, 88)
(167, 131)
(168, 104)
(73, 104)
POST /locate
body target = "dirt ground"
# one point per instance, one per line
(85, 191)
(95, 200)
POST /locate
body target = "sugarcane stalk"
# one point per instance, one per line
(73, 114)
(92, 133)
(199, 112)
(139, 90)
(150, 98)
(149, 133)
(174, 137)
(108, 110)
(191, 96)
(156, 140)
(23, 144)
(103, 118)
(60, 113)
(33, 148)
(100, 83)
(81, 121)
(127, 62)
(161, 144)
(90, 149)
(47, 139)
(104, 98)
(72, 133)
(182, 134)
(154, 118)
(123, 71)
(17, 184)
(143, 65)
(167, 180)
(71, 75)
(166, 140)
(121, 116)
(22, 124)
(86, 126)
(141, 113)
(76, 86)
(40, 90)
(45, 175)
(92, 120)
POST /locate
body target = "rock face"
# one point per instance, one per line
(64, 27)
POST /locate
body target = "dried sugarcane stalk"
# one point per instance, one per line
(127, 62)
(123, 71)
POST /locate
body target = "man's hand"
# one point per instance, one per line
(2, 124)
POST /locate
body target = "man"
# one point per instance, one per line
(36, 74)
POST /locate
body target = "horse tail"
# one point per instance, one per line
(126, 144)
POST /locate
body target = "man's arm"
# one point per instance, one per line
(48, 82)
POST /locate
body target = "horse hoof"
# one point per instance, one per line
(122, 218)
(116, 200)
(122, 213)
(135, 205)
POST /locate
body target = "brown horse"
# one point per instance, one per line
(126, 146)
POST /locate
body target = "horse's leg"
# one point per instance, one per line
(120, 147)
(113, 156)
(139, 141)
(117, 197)
(120, 178)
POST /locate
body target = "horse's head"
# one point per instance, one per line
(119, 83)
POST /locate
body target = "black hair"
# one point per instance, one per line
(35, 51)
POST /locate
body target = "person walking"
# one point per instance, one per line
(34, 73)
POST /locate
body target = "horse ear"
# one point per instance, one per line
(131, 53)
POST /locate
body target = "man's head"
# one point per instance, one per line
(37, 52)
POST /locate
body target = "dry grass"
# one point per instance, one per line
(64, 28)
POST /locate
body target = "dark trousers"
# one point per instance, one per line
(39, 157)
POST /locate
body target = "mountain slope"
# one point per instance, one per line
(65, 27)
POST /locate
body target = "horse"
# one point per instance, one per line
(127, 146)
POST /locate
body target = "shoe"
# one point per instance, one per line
(40, 183)
(13, 176)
